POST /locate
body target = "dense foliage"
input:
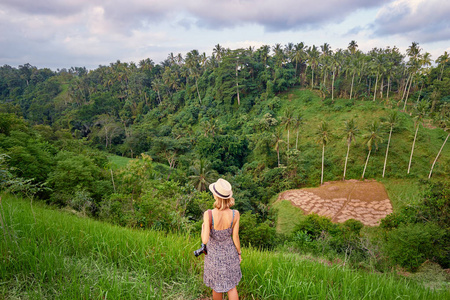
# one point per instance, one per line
(267, 119)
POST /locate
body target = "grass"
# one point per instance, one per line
(287, 217)
(48, 254)
(403, 192)
(315, 110)
(118, 162)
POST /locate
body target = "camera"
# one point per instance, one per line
(201, 250)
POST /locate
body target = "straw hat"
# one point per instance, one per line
(221, 188)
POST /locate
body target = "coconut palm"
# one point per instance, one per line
(297, 55)
(277, 139)
(298, 121)
(287, 120)
(421, 111)
(351, 131)
(313, 59)
(352, 47)
(372, 138)
(392, 121)
(447, 128)
(335, 64)
(203, 175)
(322, 138)
(442, 61)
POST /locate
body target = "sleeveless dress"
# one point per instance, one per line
(222, 270)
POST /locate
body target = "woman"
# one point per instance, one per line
(222, 270)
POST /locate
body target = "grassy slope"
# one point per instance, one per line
(56, 255)
(402, 188)
(314, 110)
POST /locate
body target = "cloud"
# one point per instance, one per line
(274, 15)
(131, 14)
(418, 20)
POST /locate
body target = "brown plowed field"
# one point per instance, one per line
(366, 201)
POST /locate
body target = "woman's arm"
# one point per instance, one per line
(236, 240)
(205, 228)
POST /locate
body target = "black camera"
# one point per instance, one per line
(201, 250)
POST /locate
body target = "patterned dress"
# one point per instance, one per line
(222, 270)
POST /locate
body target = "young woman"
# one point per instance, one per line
(222, 270)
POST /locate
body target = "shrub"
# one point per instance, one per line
(410, 245)
(314, 225)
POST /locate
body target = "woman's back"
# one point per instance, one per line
(222, 219)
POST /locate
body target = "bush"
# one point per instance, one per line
(410, 245)
(314, 225)
(260, 235)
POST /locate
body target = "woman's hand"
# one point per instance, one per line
(240, 258)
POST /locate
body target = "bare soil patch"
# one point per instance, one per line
(365, 201)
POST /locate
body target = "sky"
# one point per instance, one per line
(59, 34)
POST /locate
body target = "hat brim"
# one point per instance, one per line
(213, 190)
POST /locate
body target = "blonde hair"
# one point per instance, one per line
(222, 204)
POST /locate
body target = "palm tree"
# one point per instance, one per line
(322, 138)
(352, 131)
(193, 64)
(313, 58)
(447, 128)
(392, 121)
(442, 61)
(413, 52)
(203, 175)
(298, 121)
(277, 139)
(421, 111)
(287, 120)
(297, 55)
(372, 139)
(336, 63)
(218, 51)
(352, 47)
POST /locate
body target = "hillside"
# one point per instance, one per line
(137, 145)
(53, 254)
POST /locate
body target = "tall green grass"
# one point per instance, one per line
(48, 254)
(118, 162)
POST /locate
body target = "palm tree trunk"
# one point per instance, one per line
(365, 166)
(332, 87)
(407, 94)
(387, 150)
(381, 87)
(406, 85)
(375, 89)
(420, 92)
(323, 156)
(312, 79)
(288, 140)
(437, 156)
(351, 89)
(412, 149)
(388, 86)
(346, 158)
(278, 156)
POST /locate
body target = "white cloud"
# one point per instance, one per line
(417, 20)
